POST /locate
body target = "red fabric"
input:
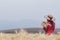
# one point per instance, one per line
(49, 29)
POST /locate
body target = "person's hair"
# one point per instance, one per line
(50, 18)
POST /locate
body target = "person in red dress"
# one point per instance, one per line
(49, 26)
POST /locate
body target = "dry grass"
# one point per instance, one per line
(23, 35)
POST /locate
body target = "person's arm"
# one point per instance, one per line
(49, 24)
(44, 28)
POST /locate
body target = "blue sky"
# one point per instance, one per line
(17, 10)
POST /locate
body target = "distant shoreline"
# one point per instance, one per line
(30, 30)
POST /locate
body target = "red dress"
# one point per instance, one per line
(49, 29)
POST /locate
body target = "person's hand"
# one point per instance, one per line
(44, 24)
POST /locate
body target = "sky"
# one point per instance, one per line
(28, 10)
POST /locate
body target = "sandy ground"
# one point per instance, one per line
(23, 35)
